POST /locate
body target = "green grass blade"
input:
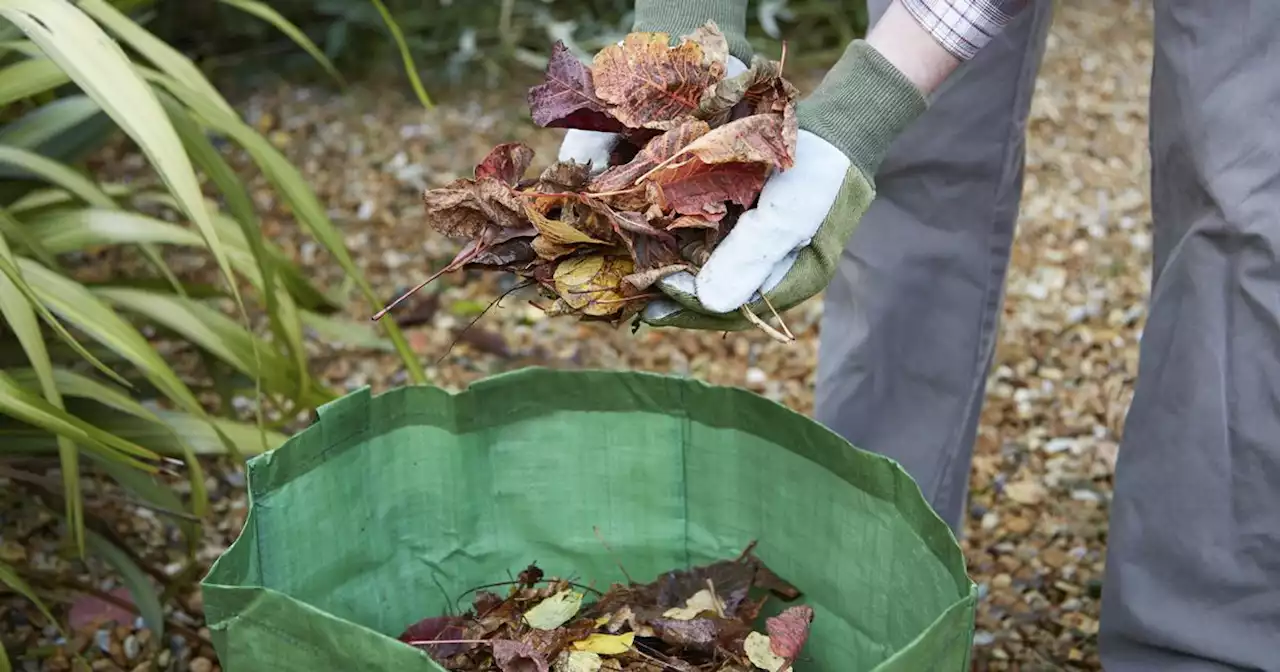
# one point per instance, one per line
(281, 309)
(19, 403)
(9, 577)
(215, 333)
(161, 55)
(29, 78)
(270, 15)
(77, 305)
(198, 433)
(345, 332)
(137, 581)
(21, 318)
(48, 121)
(56, 173)
(98, 65)
(10, 270)
(409, 68)
(17, 233)
(306, 207)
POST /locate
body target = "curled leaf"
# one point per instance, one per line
(557, 231)
(789, 630)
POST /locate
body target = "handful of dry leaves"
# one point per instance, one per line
(695, 149)
(699, 619)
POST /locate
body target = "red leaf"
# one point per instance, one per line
(654, 152)
(649, 83)
(506, 163)
(696, 188)
(567, 98)
(789, 631)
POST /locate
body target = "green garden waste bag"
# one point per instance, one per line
(389, 507)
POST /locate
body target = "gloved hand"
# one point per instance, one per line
(676, 18)
(788, 246)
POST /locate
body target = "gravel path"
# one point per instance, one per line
(1065, 365)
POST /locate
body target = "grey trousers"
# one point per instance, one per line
(1193, 563)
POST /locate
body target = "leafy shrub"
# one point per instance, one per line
(80, 381)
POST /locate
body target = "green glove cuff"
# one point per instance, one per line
(681, 17)
(862, 104)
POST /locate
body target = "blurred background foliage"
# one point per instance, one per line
(468, 42)
(88, 385)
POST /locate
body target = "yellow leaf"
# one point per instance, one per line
(592, 284)
(609, 645)
(703, 600)
(760, 653)
(578, 661)
(554, 611)
(602, 621)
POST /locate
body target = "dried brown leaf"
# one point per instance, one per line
(659, 149)
(649, 84)
(759, 138)
(692, 222)
(564, 176)
(567, 98)
(645, 279)
(514, 656)
(468, 208)
(557, 231)
(545, 249)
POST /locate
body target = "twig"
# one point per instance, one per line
(596, 529)
(778, 317)
(764, 326)
(429, 642)
(458, 262)
(472, 323)
(660, 166)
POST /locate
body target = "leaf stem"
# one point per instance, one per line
(764, 326)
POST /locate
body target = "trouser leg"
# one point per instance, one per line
(910, 320)
(1193, 560)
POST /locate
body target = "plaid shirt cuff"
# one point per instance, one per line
(963, 27)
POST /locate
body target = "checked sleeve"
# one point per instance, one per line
(963, 27)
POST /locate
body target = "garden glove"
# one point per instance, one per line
(676, 18)
(788, 246)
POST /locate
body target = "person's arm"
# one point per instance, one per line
(789, 245)
(928, 39)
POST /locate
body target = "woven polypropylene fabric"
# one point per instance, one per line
(389, 507)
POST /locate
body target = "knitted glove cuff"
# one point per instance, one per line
(861, 106)
(681, 17)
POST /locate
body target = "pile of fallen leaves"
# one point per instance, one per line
(695, 149)
(700, 619)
